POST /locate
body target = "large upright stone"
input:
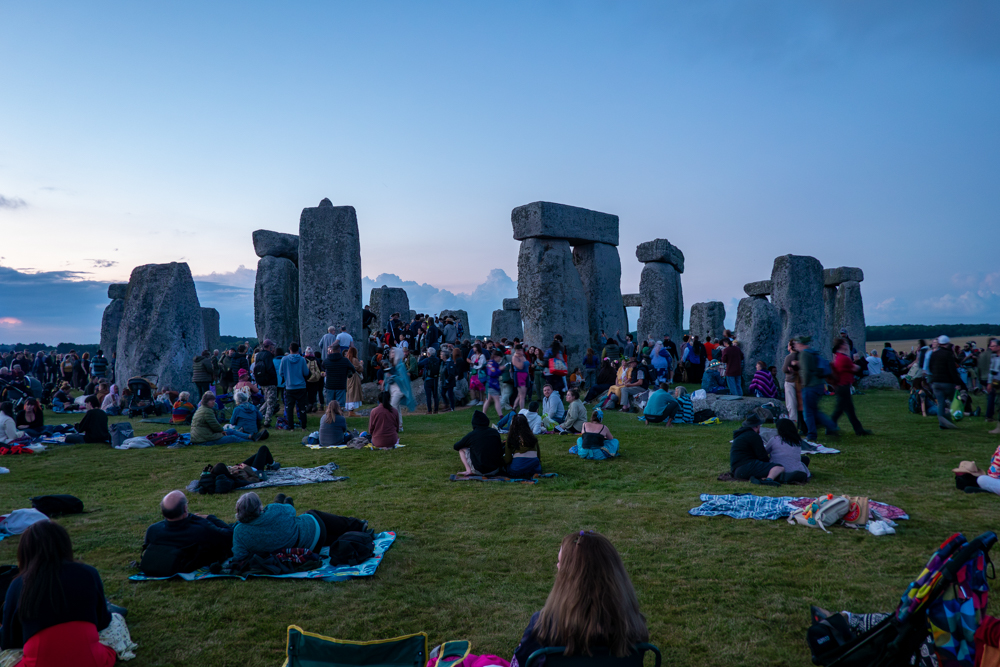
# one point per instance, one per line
(506, 324)
(162, 328)
(329, 272)
(551, 295)
(545, 220)
(830, 314)
(210, 322)
(662, 311)
(276, 244)
(276, 301)
(111, 321)
(797, 293)
(758, 325)
(842, 274)
(385, 301)
(117, 290)
(600, 269)
(707, 319)
(850, 313)
(459, 316)
(660, 250)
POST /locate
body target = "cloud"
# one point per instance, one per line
(240, 277)
(886, 305)
(102, 263)
(10, 322)
(12, 202)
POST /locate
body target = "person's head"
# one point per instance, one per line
(333, 411)
(726, 342)
(185, 396)
(753, 421)
(293, 348)
(680, 391)
(497, 355)
(994, 345)
(309, 351)
(520, 432)
(241, 349)
(344, 328)
(32, 405)
(761, 365)
(385, 398)
(802, 343)
(547, 390)
(249, 507)
(592, 599)
(665, 386)
(597, 416)
(840, 346)
(788, 431)
(533, 407)
(93, 402)
(41, 552)
(7, 408)
(174, 506)
(207, 400)
(331, 330)
(572, 395)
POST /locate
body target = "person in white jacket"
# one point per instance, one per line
(8, 427)
(534, 419)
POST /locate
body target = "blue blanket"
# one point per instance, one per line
(327, 572)
(744, 506)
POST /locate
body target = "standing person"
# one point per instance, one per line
(991, 378)
(557, 365)
(226, 376)
(328, 339)
(843, 378)
(338, 370)
(629, 348)
(732, 358)
(344, 339)
(295, 372)
(267, 379)
(811, 374)
(314, 383)
(945, 380)
(430, 363)
(494, 369)
(449, 378)
(477, 377)
(520, 370)
(354, 382)
(98, 367)
(590, 363)
(201, 372)
(790, 368)
(450, 332)
(538, 367)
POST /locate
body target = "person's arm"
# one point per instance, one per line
(759, 452)
(463, 443)
(212, 422)
(103, 615)
(11, 634)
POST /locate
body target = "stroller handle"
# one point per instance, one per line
(982, 543)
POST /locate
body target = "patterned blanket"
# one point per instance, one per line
(749, 506)
(290, 477)
(500, 478)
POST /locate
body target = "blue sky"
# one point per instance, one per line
(862, 133)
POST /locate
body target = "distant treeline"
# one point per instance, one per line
(910, 331)
(225, 342)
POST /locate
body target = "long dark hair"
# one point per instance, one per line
(788, 432)
(386, 400)
(43, 549)
(520, 435)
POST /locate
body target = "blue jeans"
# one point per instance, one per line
(810, 406)
(735, 385)
(339, 395)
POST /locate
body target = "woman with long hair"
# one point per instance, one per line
(56, 606)
(354, 382)
(521, 454)
(383, 423)
(785, 450)
(592, 604)
(332, 426)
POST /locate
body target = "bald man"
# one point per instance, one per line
(183, 542)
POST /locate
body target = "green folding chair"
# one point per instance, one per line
(554, 657)
(308, 649)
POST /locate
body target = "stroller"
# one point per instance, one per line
(935, 621)
(141, 401)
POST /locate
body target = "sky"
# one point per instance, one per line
(861, 133)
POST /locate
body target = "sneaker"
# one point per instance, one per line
(273, 467)
(765, 481)
(280, 499)
(115, 609)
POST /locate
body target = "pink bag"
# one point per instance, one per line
(475, 384)
(473, 660)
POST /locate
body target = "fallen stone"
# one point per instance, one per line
(506, 324)
(385, 301)
(738, 410)
(210, 322)
(276, 244)
(662, 311)
(546, 220)
(879, 381)
(111, 322)
(511, 304)
(850, 314)
(162, 330)
(276, 300)
(600, 271)
(329, 272)
(707, 319)
(632, 300)
(842, 274)
(660, 250)
(758, 288)
(798, 295)
(758, 325)
(459, 316)
(117, 290)
(369, 392)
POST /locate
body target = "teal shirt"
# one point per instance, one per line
(658, 402)
(276, 528)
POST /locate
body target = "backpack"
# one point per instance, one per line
(121, 432)
(822, 512)
(52, 506)
(557, 367)
(352, 548)
(164, 438)
(823, 370)
(314, 373)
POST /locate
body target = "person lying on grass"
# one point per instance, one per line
(481, 450)
(166, 550)
(521, 455)
(592, 604)
(748, 458)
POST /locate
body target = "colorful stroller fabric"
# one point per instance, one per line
(954, 617)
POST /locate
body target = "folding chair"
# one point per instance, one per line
(307, 649)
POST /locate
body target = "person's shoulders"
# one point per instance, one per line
(78, 570)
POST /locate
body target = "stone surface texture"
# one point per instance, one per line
(842, 274)
(388, 300)
(660, 250)
(600, 270)
(110, 323)
(547, 220)
(551, 296)
(758, 288)
(735, 411)
(830, 312)
(632, 300)
(459, 316)
(117, 290)
(162, 328)
(662, 311)
(210, 323)
(276, 244)
(707, 319)
(850, 314)
(276, 301)
(758, 325)
(879, 381)
(329, 272)
(506, 324)
(797, 282)
(511, 304)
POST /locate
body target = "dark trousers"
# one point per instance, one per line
(202, 388)
(596, 391)
(943, 393)
(448, 394)
(810, 400)
(295, 399)
(332, 526)
(314, 394)
(431, 391)
(845, 406)
(260, 461)
(991, 400)
(668, 413)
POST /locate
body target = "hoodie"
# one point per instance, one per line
(246, 417)
(294, 371)
(747, 447)
(484, 444)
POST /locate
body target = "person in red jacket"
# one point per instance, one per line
(843, 377)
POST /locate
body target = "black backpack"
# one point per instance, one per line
(120, 432)
(352, 548)
(52, 506)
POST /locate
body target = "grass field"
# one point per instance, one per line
(474, 560)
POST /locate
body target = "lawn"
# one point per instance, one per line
(474, 560)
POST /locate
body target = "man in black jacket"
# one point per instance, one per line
(481, 450)
(183, 542)
(748, 459)
(93, 428)
(945, 380)
(266, 376)
(337, 370)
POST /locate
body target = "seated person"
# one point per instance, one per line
(103, 389)
(592, 604)
(605, 380)
(333, 426)
(785, 450)
(206, 429)
(762, 385)
(553, 411)
(576, 415)
(112, 402)
(534, 419)
(874, 363)
(595, 441)
(244, 384)
(263, 530)
(685, 411)
(246, 417)
(29, 418)
(183, 542)
(481, 450)
(522, 457)
(93, 427)
(62, 401)
(712, 381)
(383, 423)
(922, 401)
(184, 409)
(662, 406)
(56, 606)
(8, 427)
(748, 458)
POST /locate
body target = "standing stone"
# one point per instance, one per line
(662, 312)
(830, 312)
(276, 300)
(600, 269)
(660, 250)
(758, 325)
(210, 322)
(707, 319)
(797, 293)
(385, 301)
(162, 328)
(110, 324)
(551, 296)
(506, 324)
(459, 316)
(850, 313)
(329, 272)
(276, 244)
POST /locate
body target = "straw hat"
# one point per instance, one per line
(968, 468)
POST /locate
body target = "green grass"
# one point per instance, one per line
(474, 560)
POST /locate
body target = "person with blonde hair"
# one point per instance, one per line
(332, 426)
(592, 604)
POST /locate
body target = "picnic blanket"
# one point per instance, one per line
(749, 506)
(327, 572)
(290, 477)
(160, 420)
(368, 446)
(500, 478)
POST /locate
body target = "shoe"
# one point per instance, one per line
(865, 432)
(764, 482)
(273, 467)
(290, 501)
(115, 609)
(977, 412)
(280, 499)
(995, 431)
